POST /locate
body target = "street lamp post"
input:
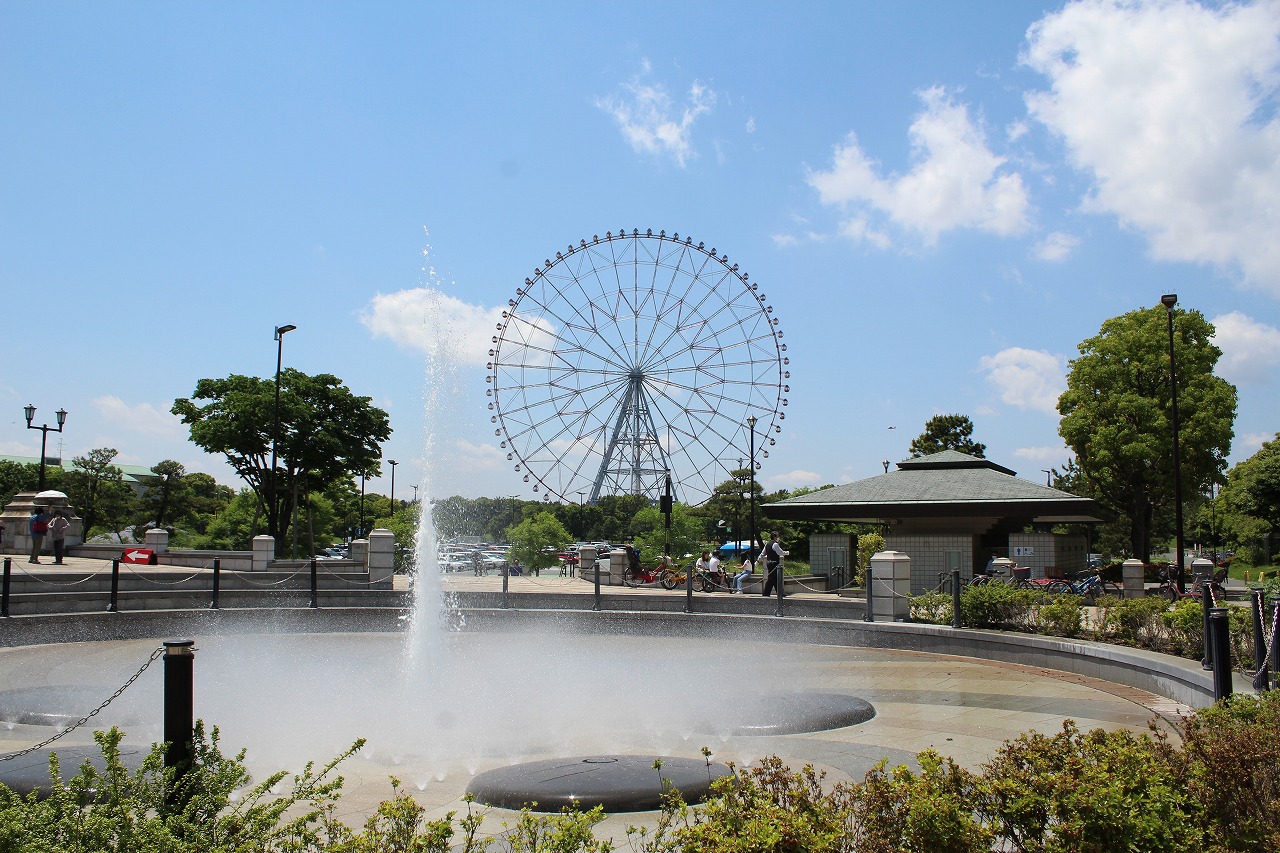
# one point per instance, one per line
(751, 425)
(30, 411)
(415, 494)
(362, 531)
(1170, 301)
(273, 512)
(393, 463)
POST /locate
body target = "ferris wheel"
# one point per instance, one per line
(632, 358)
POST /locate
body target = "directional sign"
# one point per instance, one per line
(140, 556)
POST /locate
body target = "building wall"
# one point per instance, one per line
(1048, 554)
(822, 560)
(934, 555)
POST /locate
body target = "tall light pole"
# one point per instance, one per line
(751, 425)
(361, 531)
(273, 512)
(415, 494)
(393, 463)
(1170, 301)
(30, 411)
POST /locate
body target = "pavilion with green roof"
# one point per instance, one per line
(952, 510)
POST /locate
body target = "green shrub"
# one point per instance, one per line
(1131, 620)
(1086, 792)
(1228, 763)
(999, 605)
(930, 811)
(932, 607)
(1062, 617)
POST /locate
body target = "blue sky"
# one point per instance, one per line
(941, 200)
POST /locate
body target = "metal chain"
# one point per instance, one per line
(1271, 640)
(69, 729)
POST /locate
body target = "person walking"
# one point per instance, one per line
(774, 554)
(58, 535)
(39, 526)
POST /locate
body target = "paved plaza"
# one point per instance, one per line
(292, 698)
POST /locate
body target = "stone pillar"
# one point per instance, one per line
(891, 575)
(157, 539)
(359, 552)
(587, 563)
(264, 551)
(382, 557)
(617, 565)
(1202, 568)
(1134, 578)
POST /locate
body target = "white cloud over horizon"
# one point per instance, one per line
(955, 181)
(143, 418)
(429, 321)
(651, 122)
(1169, 106)
(1250, 350)
(1026, 378)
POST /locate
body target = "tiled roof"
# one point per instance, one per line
(946, 483)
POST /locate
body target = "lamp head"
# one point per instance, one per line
(280, 330)
(393, 463)
(1169, 300)
(751, 421)
(30, 411)
(62, 417)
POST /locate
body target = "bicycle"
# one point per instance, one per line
(633, 578)
(1088, 588)
(1169, 587)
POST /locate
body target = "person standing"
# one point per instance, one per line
(58, 535)
(39, 526)
(773, 557)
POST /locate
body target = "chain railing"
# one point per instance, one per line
(155, 655)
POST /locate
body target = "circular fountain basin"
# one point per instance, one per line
(619, 783)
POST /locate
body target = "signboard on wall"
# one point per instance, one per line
(1024, 551)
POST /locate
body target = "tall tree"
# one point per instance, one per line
(326, 434)
(947, 432)
(1117, 415)
(97, 488)
(162, 502)
(537, 540)
(1253, 492)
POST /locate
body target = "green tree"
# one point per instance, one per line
(16, 477)
(162, 502)
(97, 489)
(650, 532)
(1117, 416)
(947, 432)
(326, 434)
(1252, 496)
(233, 528)
(537, 540)
(205, 499)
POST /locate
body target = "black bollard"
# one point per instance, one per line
(782, 586)
(1220, 630)
(870, 615)
(115, 586)
(1261, 678)
(315, 592)
(955, 598)
(688, 590)
(596, 606)
(179, 708)
(4, 588)
(1275, 644)
(1206, 604)
(217, 580)
(506, 572)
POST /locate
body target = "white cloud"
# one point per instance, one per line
(1170, 106)
(426, 320)
(1250, 350)
(955, 181)
(651, 123)
(141, 418)
(1028, 379)
(1250, 443)
(793, 479)
(1049, 457)
(1056, 246)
